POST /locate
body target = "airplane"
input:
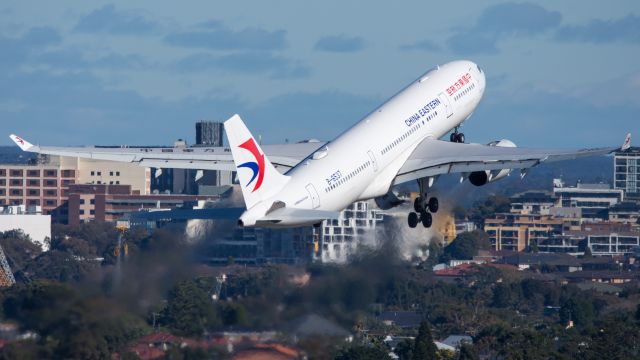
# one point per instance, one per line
(291, 185)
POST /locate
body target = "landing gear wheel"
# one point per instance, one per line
(413, 219)
(426, 219)
(456, 137)
(417, 205)
(433, 205)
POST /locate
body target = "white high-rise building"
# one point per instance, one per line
(626, 173)
(338, 239)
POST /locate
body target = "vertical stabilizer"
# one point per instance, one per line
(258, 178)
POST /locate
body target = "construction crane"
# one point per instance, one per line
(6, 275)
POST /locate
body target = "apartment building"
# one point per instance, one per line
(515, 232)
(45, 182)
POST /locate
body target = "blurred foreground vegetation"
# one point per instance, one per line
(82, 302)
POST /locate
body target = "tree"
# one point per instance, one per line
(361, 352)
(234, 314)
(587, 253)
(580, 310)
(533, 247)
(466, 245)
(491, 205)
(404, 350)
(423, 347)
(189, 310)
(18, 248)
(466, 352)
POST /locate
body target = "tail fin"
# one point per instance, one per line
(258, 178)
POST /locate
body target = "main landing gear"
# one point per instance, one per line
(456, 136)
(422, 207)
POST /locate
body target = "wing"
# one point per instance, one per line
(436, 157)
(283, 157)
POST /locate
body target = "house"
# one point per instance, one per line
(561, 262)
(456, 341)
(610, 277)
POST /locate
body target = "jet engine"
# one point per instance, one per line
(388, 200)
(479, 178)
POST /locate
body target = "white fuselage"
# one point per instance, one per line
(362, 162)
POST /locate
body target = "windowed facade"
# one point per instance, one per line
(625, 171)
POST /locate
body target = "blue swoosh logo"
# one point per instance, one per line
(254, 167)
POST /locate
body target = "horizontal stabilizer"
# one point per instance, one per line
(189, 214)
(298, 216)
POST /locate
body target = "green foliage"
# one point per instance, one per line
(94, 238)
(466, 352)
(423, 347)
(404, 350)
(587, 253)
(18, 249)
(26, 350)
(444, 354)
(491, 205)
(70, 325)
(189, 310)
(59, 266)
(363, 353)
(234, 314)
(466, 245)
(580, 310)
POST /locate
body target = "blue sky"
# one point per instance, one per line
(562, 74)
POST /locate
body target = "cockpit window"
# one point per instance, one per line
(479, 69)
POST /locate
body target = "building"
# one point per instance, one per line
(608, 238)
(464, 226)
(92, 171)
(611, 244)
(28, 219)
(515, 232)
(593, 199)
(339, 238)
(43, 183)
(332, 241)
(209, 133)
(625, 212)
(532, 202)
(46, 182)
(105, 202)
(561, 262)
(262, 246)
(626, 175)
(189, 181)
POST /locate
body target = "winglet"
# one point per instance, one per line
(23, 144)
(627, 142)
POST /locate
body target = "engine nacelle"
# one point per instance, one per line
(388, 200)
(479, 178)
